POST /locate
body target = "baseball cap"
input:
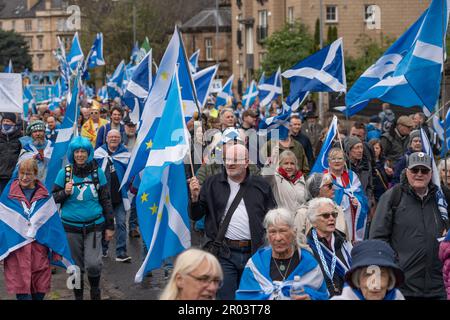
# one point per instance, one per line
(417, 159)
(406, 121)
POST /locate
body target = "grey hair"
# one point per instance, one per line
(357, 274)
(284, 216)
(316, 181)
(313, 207)
(288, 154)
(442, 164)
(333, 151)
(226, 109)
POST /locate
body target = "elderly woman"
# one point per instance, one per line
(329, 245)
(270, 272)
(374, 274)
(26, 206)
(287, 182)
(86, 211)
(196, 275)
(348, 194)
(318, 185)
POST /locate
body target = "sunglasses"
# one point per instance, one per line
(422, 170)
(327, 215)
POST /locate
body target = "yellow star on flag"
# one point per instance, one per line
(154, 208)
(164, 75)
(149, 144)
(144, 197)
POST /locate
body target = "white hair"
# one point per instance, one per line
(313, 207)
(442, 164)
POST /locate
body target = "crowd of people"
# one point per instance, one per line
(265, 224)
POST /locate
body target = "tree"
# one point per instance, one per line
(332, 34)
(317, 35)
(13, 46)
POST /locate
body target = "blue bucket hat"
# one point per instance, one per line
(80, 143)
(374, 252)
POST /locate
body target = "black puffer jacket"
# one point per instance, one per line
(214, 194)
(10, 147)
(412, 231)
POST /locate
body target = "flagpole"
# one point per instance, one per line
(444, 15)
(321, 46)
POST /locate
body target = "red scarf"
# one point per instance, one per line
(292, 179)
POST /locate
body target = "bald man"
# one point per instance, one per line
(249, 197)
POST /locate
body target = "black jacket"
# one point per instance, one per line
(10, 147)
(214, 194)
(412, 231)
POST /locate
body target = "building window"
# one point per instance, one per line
(290, 15)
(29, 41)
(28, 26)
(39, 25)
(40, 45)
(262, 26)
(209, 49)
(13, 25)
(367, 13)
(331, 14)
(40, 58)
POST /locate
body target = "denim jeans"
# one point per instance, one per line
(33, 296)
(133, 220)
(120, 233)
(232, 271)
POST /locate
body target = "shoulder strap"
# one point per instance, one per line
(396, 197)
(95, 178)
(226, 221)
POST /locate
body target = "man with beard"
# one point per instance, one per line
(39, 148)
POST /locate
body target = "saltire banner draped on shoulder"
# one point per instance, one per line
(256, 283)
(43, 225)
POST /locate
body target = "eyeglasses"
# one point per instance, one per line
(422, 170)
(327, 215)
(336, 159)
(205, 280)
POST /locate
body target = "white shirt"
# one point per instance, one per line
(239, 227)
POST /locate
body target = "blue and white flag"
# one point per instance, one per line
(153, 109)
(262, 80)
(203, 81)
(135, 54)
(65, 133)
(193, 61)
(257, 284)
(270, 89)
(162, 199)
(226, 95)
(96, 54)
(103, 93)
(321, 163)
(427, 149)
(280, 123)
(29, 104)
(9, 67)
(120, 159)
(56, 95)
(250, 95)
(409, 72)
(138, 88)
(64, 68)
(20, 225)
(115, 83)
(324, 71)
(75, 55)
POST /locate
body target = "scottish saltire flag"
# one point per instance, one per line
(138, 88)
(65, 133)
(29, 104)
(257, 284)
(75, 55)
(56, 95)
(9, 67)
(321, 163)
(226, 94)
(193, 61)
(134, 53)
(64, 68)
(262, 79)
(324, 71)
(203, 83)
(20, 226)
(120, 159)
(145, 48)
(114, 84)
(250, 95)
(162, 199)
(270, 88)
(409, 72)
(442, 204)
(96, 54)
(103, 93)
(280, 123)
(153, 109)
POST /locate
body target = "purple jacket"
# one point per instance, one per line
(444, 255)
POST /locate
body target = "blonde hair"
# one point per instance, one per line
(29, 164)
(186, 263)
(288, 154)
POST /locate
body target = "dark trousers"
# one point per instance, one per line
(33, 296)
(232, 271)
